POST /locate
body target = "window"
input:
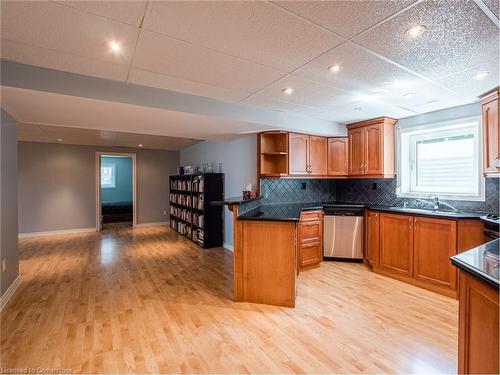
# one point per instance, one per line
(441, 159)
(108, 174)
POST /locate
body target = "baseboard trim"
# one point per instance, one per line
(142, 225)
(56, 232)
(230, 247)
(10, 292)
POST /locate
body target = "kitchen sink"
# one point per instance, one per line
(425, 211)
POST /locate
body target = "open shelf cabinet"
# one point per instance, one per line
(191, 213)
(273, 154)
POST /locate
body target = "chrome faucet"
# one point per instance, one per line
(436, 202)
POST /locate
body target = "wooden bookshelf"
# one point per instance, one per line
(273, 154)
(191, 213)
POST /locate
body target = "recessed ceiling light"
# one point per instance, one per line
(480, 75)
(415, 30)
(287, 91)
(357, 109)
(409, 94)
(334, 68)
(114, 47)
(59, 139)
(140, 145)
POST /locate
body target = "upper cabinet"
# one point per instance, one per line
(338, 156)
(273, 154)
(491, 133)
(371, 148)
(308, 155)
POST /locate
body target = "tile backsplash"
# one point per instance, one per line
(277, 190)
(361, 191)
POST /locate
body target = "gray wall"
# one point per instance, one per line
(122, 192)
(57, 185)
(239, 164)
(8, 202)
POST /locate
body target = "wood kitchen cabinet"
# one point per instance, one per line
(310, 246)
(435, 241)
(478, 323)
(372, 238)
(491, 133)
(371, 148)
(338, 156)
(308, 155)
(396, 244)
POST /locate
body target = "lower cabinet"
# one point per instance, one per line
(310, 246)
(372, 239)
(396, 244)
(416, 249)
(435, 241)
(478, 323)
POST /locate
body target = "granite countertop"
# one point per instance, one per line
(235, 200)
(482, 262)
(282, 212)
(291, 212)
(424, 212)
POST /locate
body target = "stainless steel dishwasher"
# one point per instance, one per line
(343, 233)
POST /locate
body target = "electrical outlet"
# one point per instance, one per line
(303, 186)
(4, 265)
(374, 186)
(164, 212)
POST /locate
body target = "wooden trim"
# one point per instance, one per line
(238, 255)
(378, 120)
(155, 224)
(56, 232)
(490, 96)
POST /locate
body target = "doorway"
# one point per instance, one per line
(115, 190)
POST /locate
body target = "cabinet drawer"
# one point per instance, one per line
(311, 215)
(310, 253)
(310, 231)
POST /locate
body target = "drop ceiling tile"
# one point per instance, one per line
(161, 54)
(273, 104)
(463, 83)
(63, 29)
(359, 69)
(458, 36)
(46, 58)
(142, 77)
(360, 111)
(130, 12)
(258, 31)
(494, 6)
(346, 18)
(306, 93)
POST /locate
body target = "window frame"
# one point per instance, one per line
(111, 165)
(407, 139)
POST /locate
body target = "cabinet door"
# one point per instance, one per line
(318, 151)
(435, 241)
(396, 244)
(298, 154)
(356, 151)
(374, 158)
(491, 137)
(372, 239)
(338, 156)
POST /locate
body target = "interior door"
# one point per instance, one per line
(298, 154)
(356, 151)
(338, 156)
(491, 137)
(318, 155)
(435, 242)
(396, 244)
(374, 160)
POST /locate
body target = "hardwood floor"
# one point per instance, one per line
(147, 300)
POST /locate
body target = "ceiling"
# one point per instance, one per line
(249, 51)
(94, 137)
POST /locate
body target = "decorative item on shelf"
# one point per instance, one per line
(219, 168)
(188, 169)
(249, 192)
(181, 170)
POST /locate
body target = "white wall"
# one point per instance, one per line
(239, 164)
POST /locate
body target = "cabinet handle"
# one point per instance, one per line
(410, 222)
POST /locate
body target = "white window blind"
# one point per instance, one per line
(443, 160)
